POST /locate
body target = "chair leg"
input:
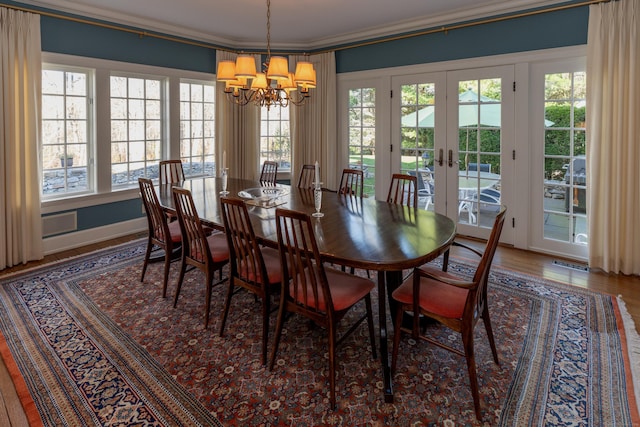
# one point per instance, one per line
(266, 308)
(183, 269)
(487, 326)
(207, 304)
(278, 332)
(332, 365)
(467, 340)
(146, 259)
(445, 261)
(227, 305)
(372, 335)
(396, 337)
(167, 263)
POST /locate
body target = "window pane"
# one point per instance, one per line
(197, 117)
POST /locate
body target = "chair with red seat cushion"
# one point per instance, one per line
(205, 252)
(323, 295)
(162, 235)
(254, 268)
(455, 302)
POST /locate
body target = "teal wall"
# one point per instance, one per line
(544, 31)
(548, 30)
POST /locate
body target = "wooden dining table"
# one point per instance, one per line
(354, 232)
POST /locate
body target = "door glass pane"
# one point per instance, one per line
(417, 137)
(479, 148)
(565, 191)
(362, 135)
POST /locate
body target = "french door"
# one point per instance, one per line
(455, 132)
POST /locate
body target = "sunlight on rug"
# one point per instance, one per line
(96, 346)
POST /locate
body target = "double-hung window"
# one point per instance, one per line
(66, 130)
(275, 137)
(136, 128)
(197, 127)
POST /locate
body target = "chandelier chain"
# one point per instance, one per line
(268, 28)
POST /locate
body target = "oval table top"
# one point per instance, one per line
(360, 233)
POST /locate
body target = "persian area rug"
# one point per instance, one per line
(97, 346)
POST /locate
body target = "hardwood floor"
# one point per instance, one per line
(628, 287)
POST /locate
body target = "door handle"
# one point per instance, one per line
(450, 158)
(440, 154)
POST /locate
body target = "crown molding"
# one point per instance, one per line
(216, 40)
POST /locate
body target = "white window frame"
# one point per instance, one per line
(198, 143)
(267, 124)
(145, 140)
(103, 192)
(90, 131)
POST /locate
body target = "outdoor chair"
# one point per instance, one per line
(163, 235)
(208, 253)
(455, 302)
(484, 167)
(321, 294)
(425, 187)
(254, 268)
(269, 173)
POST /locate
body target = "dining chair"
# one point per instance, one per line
(403, 190)
(307, 177)
(170, 171)
(253, 267)
(455, 302)
(269, 173)
(208, 253)
(352, 182)
(163, 235)
(318, 293)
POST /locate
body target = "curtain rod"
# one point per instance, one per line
(443, 29)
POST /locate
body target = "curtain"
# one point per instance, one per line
(237, 131)
(20, 176)
(313, 125)
(613, 128)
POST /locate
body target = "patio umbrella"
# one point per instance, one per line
(490, 113)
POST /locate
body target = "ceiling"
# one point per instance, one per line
(295, 24)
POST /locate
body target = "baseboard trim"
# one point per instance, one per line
(68, 241)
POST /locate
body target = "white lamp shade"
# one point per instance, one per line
(245, 66)
(226, 71)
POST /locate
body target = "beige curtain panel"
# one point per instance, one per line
(237, 131)
(21, 80)
(313, 125)
(613, 131)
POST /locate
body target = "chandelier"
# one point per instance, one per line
(274, 86)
